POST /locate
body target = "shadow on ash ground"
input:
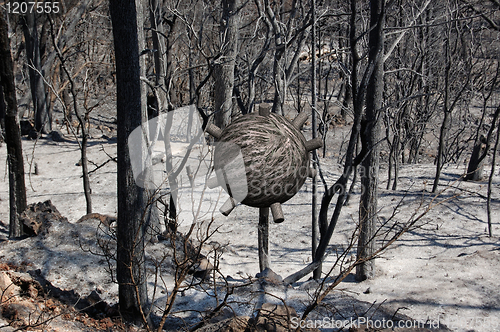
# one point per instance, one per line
(31, 302)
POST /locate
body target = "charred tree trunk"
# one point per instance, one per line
(481, 149)
(131, 229)
(17, 188)
(445, 126)
(43, 116)
(441, 148)
(345, 92)
(475, 167)
(223, 72)
(279, 78)
(481, 142)
(263, 228)
(263, 238)
(316, 228)
(370, 137)
(278, 65)
(3, 109)
(490, 181)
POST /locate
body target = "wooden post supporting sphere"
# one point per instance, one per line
(275, 155)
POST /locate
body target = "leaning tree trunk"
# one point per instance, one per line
(43, 117)
(475, 166)
(224, 70)
(490, 181)
(481, 149)
(370, 137)
(132, 200)
(17, 188)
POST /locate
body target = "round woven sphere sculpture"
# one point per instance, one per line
(274, 153)
(261, 160)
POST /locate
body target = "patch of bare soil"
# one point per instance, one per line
(29, 302)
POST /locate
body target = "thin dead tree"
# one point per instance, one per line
(223, 71)
(82, 121)
(455, 82)
(43, 116)
(17, 187)
(289, 30)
